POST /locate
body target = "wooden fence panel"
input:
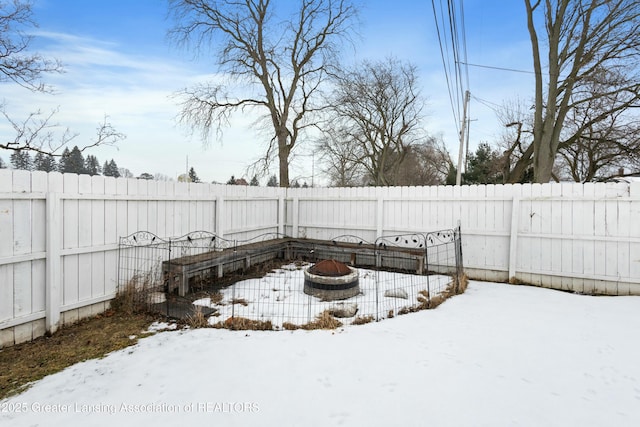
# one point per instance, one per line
(22, 289)
(84, 277)
(6, 227)
(6, 292)
(580, 237)
(70, 281)
(587, 210)
(38, 285)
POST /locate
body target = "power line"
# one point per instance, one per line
(453, 33)
(445, 63)
(498, 68)
(464, 41)
(491, 105)
(459, 52)
(452, 40)
(455, 69)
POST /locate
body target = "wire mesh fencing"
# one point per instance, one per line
(267, 282)
(162, 275)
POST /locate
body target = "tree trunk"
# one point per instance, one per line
(516, 175)
(283, 159)
(544, 124)
(543, 163)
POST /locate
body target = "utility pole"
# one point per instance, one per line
(463, 132)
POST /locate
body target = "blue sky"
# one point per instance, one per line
(119, 62)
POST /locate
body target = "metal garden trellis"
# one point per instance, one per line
(164, 273)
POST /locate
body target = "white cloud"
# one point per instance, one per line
(135, 92)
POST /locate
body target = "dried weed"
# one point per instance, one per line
(197, 319)
(323, 321)
(362, 320)
(242, 323)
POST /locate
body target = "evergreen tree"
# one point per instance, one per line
(110, 168)
(72, 161)
(483, 166)
(76, 161)
(193, 175)
(232, 180)
(254, 181)
(92, 166)
(63, 160)
(273, 181)
(3, 165)
(145, 175)
(452, 175)
(21, 160)
(44, 162)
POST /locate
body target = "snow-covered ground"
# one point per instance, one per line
(498, 355)
(279, 296)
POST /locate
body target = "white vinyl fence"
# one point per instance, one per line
(59, 233)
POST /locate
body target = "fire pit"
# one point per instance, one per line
(331, 280)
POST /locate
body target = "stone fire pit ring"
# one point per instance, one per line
(331, 280)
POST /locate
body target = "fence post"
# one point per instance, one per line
(426, 267)
(53, 272)
(169, 276)
(459, 248)
(457, 241)
(377, 295)
(513, 240)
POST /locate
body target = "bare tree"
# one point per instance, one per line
(340, 159)
(36, 132)
(126, 173)
(601, 152)
(39, 134)
(600, 133)
(601, 149)
(16, 63)
(283, 62)
(517, 158)
(377, 112)
(426, 163)
(603, 133)
(162, 177)
(583, 37)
